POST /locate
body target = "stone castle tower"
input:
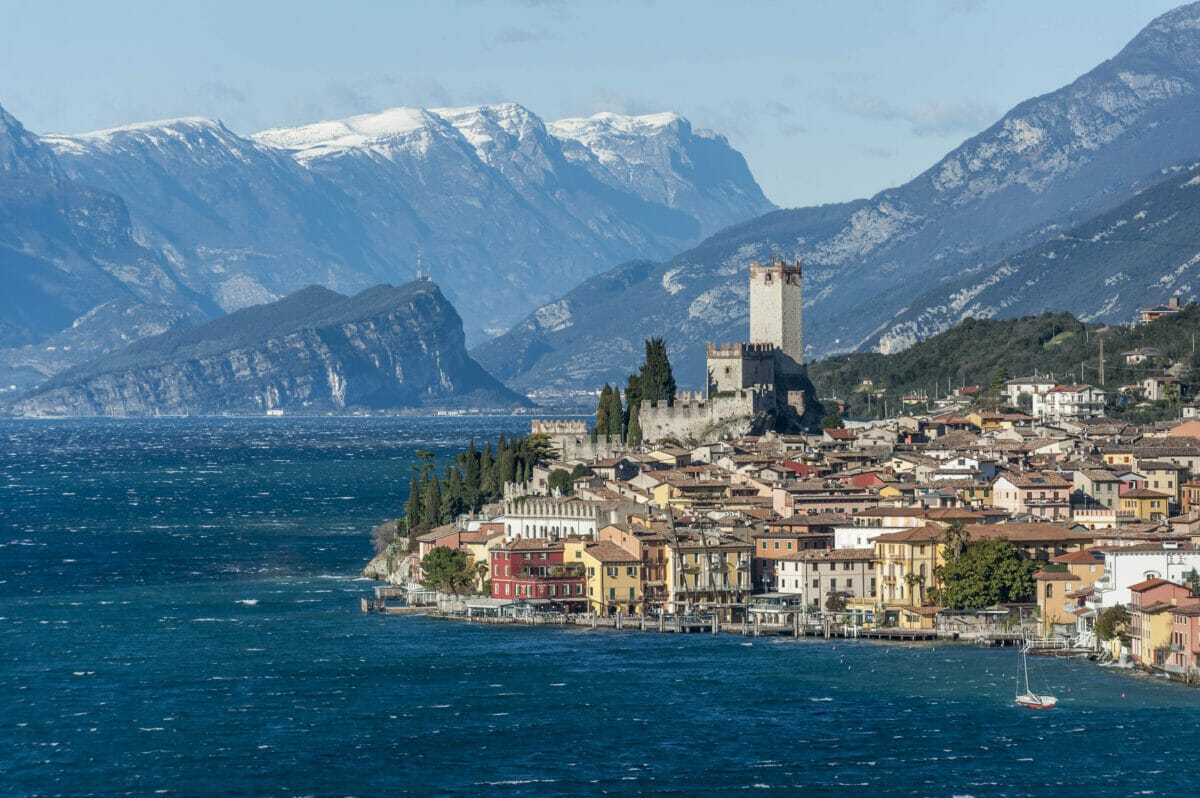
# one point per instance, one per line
(776, 313)
(752, 386)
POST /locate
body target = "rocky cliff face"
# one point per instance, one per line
(1050, 163)
(312, 351)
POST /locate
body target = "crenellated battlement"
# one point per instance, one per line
(557, 427)
(740, 350)
(791, 274)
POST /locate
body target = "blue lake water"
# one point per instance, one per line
(179, 615)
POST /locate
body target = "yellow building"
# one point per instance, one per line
(1146, 504)
(908, 562)
(906, 567)
(614, 576)
(708, 573)
(1062, 588)
(1162, 477)
(681, 491)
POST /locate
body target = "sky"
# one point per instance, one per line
(827, 101)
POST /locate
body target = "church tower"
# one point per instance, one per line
(776, 315)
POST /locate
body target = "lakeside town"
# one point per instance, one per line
(976, 520)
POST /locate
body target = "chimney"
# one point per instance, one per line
(1173, 302)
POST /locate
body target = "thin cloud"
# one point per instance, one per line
(535, 33)
(926, 119)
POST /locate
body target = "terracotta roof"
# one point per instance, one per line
(1035, 480)
(1055, 576)
(1021, 532)
(1143, 493)
(1141, 587)
(821, 555)
(1191, 610)
(1081, 557)
(606, 551)
(921, 534)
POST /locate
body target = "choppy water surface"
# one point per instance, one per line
(178, 615)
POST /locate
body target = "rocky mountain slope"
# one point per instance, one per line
(1140, 253)
(487, 195)
(313, 351)
(67, 248)
(1051, 162)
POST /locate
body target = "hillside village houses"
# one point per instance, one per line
(791, 526)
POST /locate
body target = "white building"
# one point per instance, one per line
(1031, 386)
(854, 537)
(553, 518)
(1068, 401)
(1129, 565)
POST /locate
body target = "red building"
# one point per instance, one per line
(532, 571)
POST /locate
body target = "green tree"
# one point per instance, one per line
(432, 512)
(989, 571)
(1113, 622)
(412, 508)
(1192, 580)
(836, 602)
(633, 434)
(538, 450)
(832, 420)
(616, 416)
(580, 470)
(448, 570)
(956, 539)
(601, 428)
(560, 480)
(655, 379)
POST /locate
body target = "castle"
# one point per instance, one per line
(752, 386)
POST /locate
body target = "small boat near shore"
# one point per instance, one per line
(1028, 698)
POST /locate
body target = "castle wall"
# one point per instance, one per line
(574, 442)
(702, 421)
(736, 367)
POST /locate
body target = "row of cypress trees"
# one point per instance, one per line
(654, 381)
(474, 478)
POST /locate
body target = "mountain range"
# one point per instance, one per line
(892, 269)
(313, 351)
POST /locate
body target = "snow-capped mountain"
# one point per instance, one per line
(483, 197)
(1049, 163)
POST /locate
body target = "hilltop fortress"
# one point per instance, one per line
(753, 386)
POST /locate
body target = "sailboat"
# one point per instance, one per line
(1028, 698)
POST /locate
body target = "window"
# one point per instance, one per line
(591, 571)
(612, 592)
(631, 570)
(591, 590)
(553, 590)
(816, 584)
(777, 545)
(1049, 590)
(847, 566)
(833, 584)
(631, 596)
(611, 570)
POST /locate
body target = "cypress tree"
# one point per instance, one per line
(487, 475)
(615, 415)
(412, 508)
(433, 502)
(601, 427)
(633, 436)
(471, 476)
(657, 381)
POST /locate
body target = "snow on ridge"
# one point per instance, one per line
(575, 127)
(138, 127)
(320, 138)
